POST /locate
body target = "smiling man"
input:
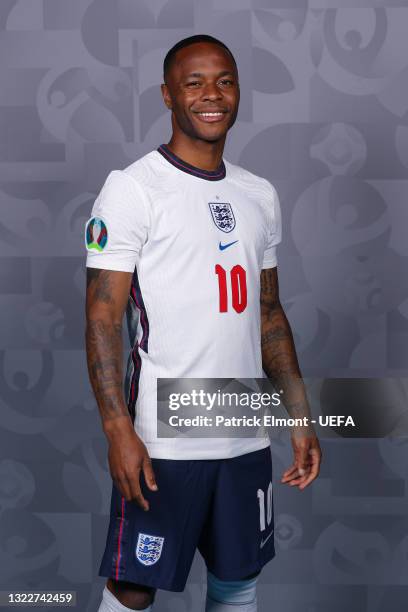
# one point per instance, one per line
(189, 251)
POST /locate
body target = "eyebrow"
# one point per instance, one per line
(199, 74)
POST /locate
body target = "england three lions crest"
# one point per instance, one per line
(222, 215)
(149, 548)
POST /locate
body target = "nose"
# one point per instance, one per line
(211, 92)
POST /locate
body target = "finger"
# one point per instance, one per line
(122, 485)
(300, 465)
(302, 461)
(291, 476)
(314, 470)
(136, 492)
(299, 480)
(300, 477)
(289, 471)
(302, 473)
(308, 480)
(148, 474)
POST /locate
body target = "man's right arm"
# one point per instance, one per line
(105, 306)
(106, 299)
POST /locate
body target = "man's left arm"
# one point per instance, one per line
(280, 364)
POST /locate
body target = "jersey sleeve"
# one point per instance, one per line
(274, 230)
(118, 226)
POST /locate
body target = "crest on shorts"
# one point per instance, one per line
(96, 234)
(149, 548)
(222, 215)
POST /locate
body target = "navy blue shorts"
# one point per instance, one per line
(222, 506)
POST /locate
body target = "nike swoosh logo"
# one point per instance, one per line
(225, 246)
(263, 542)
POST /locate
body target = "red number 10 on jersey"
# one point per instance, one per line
(238, 284)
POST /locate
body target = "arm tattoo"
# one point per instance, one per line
(269, 288)
(104, 346)
(104, 357)
(99, 281)
(279, 359)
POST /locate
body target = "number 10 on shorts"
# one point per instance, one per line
(265, 512)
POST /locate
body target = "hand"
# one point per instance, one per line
(308, 456)
(128, 457)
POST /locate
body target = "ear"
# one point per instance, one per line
(166, 95)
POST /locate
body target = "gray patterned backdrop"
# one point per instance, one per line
(324, 116)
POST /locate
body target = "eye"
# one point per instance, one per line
(192, 83)
(226, 81)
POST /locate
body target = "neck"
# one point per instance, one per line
(199, 153)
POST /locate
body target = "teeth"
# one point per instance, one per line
(211, 114)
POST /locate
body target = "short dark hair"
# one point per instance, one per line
(186, 42)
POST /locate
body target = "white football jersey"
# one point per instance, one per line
(196, 242)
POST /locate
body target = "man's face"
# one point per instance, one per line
(203, 79)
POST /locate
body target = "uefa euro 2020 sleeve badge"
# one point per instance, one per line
(96, 234)
(149, 548)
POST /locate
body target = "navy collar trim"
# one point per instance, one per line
(209, 175)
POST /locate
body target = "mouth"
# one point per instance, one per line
(211, 116)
